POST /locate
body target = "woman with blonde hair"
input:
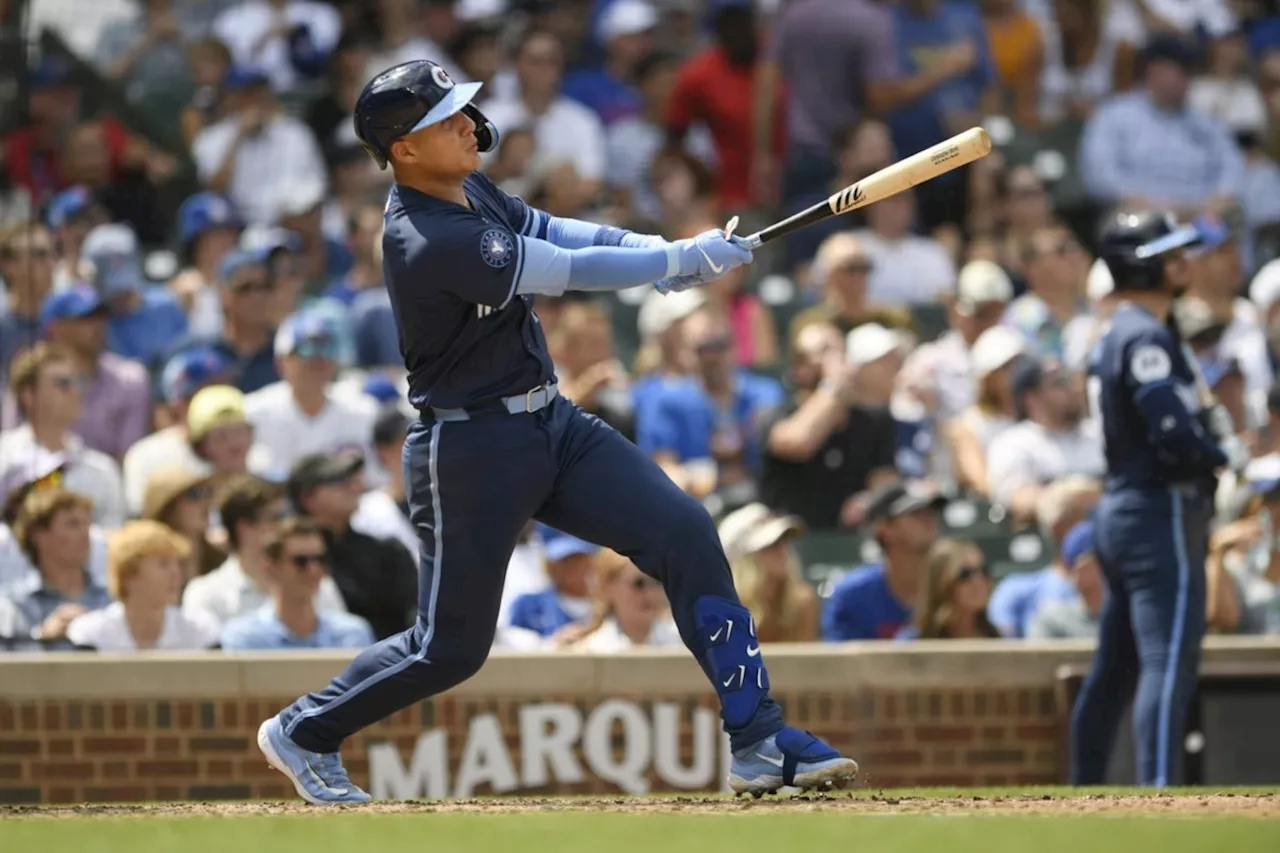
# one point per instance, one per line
(969, 434)
(954, 596)
(766, 571)
(630, 610)
(145, 572)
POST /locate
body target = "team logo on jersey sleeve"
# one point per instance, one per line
(1150, 364)
(497, 248)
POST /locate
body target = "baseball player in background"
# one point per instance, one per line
(496, 445)
(1163, 449)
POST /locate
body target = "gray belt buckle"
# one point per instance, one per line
(528, 399)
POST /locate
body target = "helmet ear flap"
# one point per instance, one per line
(486, 131)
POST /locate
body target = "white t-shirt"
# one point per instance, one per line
(1236, 103)
(378, 516)
(227, 592)
(1027, 453)
(89, 472)
(169, 446)
(284, 154)
(608, 638)
(911, 271)
(242, 27)
(1246, 342)
(1121, 24)
(107, 631)
(566, 132)
(285, 434)
(15, 568)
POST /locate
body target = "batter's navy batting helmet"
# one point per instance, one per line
(1132, 244)
(412, 96)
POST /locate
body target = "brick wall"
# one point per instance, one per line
(127, 729)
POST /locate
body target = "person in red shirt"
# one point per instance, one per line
(717, 87)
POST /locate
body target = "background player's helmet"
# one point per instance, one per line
(412, 96)
(1132, 244)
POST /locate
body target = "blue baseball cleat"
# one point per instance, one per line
(320, 779)
(791, 758)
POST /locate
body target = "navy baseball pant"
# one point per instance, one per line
(473, 485)
(1152, 547)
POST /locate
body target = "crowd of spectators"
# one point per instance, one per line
(204, 397)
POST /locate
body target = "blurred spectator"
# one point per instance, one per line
(1051, 440)
(625, 29)
(906, 267)
(294, 562)
(146, 56)
(1026, 209)
(53, 529)
(1021, 595)
(181, 499)
(365, 273)
(1089, 52)
(147, 570)
(476, 50)
(40, 472)
(373, 324)
(1252, 560)
(322, 261)
(1053, 269)
(209, 60)
(1146, 149)
(1210, 17)
(835, 439)
(384, 512)
(208, 228)
(511, 167)
(250, 510)
(588, 369)
(300, 414)
(970, 435)
(704, 430)
(49, 397)
(278, 250)
(71, 215)
(218, 431)
(377, 577)
(256, 152)
(1017, 53)
(1084, 330)
(569, 564)
(1227, 91)
(145, 320)
(1204, 332)
(685, 188)
(840, 273)
(630, 610)
(26, 265)
(1074, 618)
(875, 601)
(567, 134)
(663, 359)
(288, 39)
(410, 30)
(954, 592)
(633, 142)
(330, 115)
(767, 573)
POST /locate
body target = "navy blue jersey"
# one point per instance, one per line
(465, 334)
(1143, 392)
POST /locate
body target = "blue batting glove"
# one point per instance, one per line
(711, 254)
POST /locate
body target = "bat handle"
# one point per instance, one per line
(753, 242)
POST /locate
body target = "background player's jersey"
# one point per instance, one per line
(1142, 391)
(465, 334)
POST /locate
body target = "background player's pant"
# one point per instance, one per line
(1152, 549)
(472, 487)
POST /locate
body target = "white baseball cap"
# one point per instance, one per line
(981, 281)
(755, 527)
(1265, 289)
(659, 312)
(869, 342)
(1099, 283)
(626, 18)
(995, 348)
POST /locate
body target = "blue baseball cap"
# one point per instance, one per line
(381, 389)
(190, 370)
(309, 334)
(1078, 542)
(244, 76)
(558, 545)
(117, 263)
(203, 212)
(67, 205)
(49, 73)
(238, 259)
(74, 303)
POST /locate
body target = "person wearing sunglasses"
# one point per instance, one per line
(628, 611)
(296, 562)
(181, 498)
(27, 261)
(954, 592)
(1054, 268)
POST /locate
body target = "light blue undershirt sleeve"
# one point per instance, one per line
(551, 270)
(577, 234)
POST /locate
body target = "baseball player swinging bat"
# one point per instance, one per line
(959, 150)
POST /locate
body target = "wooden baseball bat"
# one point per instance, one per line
(959, 150)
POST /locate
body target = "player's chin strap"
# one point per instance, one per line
(732, 654)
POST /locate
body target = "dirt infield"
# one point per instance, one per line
(1161, 805)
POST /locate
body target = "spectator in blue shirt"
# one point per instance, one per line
(295, 562)
(1147, 149)
(705, 430)
(626, 31)
(569, 562)
(874, 601)
(52, 528)
(145, 319)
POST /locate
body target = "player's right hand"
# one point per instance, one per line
(711, 254)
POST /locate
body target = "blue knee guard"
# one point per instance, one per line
(732, 655)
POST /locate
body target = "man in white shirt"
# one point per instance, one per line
(288, 39)
(383, 512)
(47, 391)
(564, 131)
(257, 152)
(907, 269)
(250, 509)
(300, 414)
(1052, 440)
